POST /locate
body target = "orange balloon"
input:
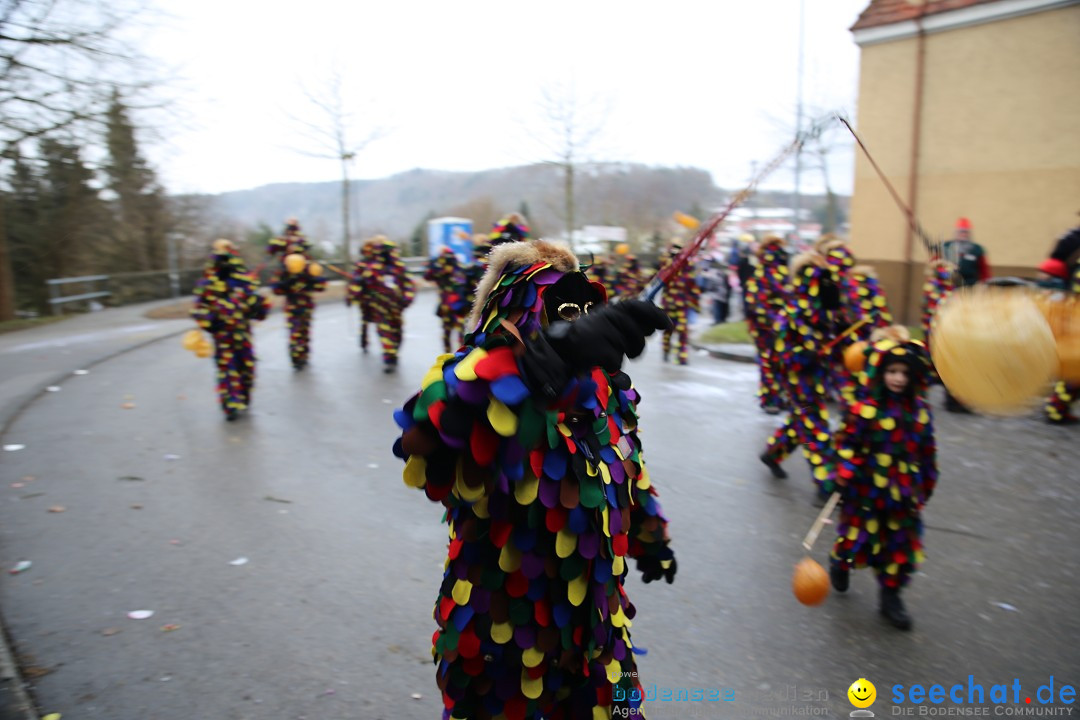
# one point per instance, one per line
(622, 248)
(315, 269)
(810, 582)
(854, 359)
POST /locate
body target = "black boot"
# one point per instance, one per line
(892, 608)
(839, 576)
(774, 467)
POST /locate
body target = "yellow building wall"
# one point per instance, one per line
(1000, 142)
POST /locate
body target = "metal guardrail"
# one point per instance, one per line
(56, 300)
(134, 287)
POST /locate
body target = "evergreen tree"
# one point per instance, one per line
(141, 221)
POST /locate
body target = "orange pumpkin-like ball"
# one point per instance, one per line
(854, 359)
(810, 582)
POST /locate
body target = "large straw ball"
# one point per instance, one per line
(810, 582)
(1069, 358)
(1062, 313)
(295, 262)
(994, 350)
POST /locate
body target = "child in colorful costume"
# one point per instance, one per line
(445, 271)
(297, 288)
(800, 358)
(387, 287)
(226, 301)
(528, 436)
(765, 295)
(681, 295)
(887, 470)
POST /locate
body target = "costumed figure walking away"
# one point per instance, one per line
(355, 294)
(972, 267)
(887, 471)
(511, 228)
(630, 280)
(389, 290)
(475, 272)
(226, 301)
(297, 278)
(765, 294)
(445, 271)
(528, 436)
(603, 272)
(1067, 253)
(800, 358)
(681, 296)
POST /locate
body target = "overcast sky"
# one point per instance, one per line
(458, 83)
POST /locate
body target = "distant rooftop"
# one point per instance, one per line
(887, 12)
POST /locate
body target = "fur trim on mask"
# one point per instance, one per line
(769, 242)
(827, 242)
(897, 333)
(519, 254)
(864, 270)
(805, 259)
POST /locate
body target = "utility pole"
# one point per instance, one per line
(797, 199)
(346, 157)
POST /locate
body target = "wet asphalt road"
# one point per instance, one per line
(330, 617)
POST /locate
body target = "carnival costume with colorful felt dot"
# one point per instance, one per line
(887, 469)
(546, 495)
(766, 294)
(387, 290)
(682, 295)
(938, 285)
(630, 280)
(226, 301)
(355, 293)
(1059, 404)
(800, 358)
(297, 286)
(445, 271)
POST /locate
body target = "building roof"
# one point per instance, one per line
(887, 12)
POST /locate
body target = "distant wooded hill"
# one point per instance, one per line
(638, 197)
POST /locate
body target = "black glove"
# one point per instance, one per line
(546, 371)
(651, 566)
(605, 335)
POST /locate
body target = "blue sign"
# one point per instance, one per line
(454, 233)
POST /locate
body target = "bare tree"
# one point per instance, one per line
(572, 128)
(59, 63)
(334, 137)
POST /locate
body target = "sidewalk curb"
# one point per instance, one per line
(11, 681)
(723, 355)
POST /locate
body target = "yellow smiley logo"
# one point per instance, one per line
(862, 693)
